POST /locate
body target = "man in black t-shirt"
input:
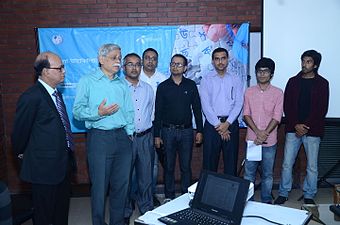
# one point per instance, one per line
(306, 100)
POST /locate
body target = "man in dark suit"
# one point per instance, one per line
(42, 138)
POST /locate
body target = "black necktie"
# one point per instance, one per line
(64, 118)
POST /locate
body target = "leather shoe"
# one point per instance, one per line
(280, 200)
(166, 200)
(156, 202)
(309, 201)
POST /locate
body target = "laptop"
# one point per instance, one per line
(219, 199)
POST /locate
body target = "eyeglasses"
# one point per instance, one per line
(62, 67)
(264, 71)
(178, 65)
(131, 65)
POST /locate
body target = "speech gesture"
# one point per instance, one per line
(104, 110)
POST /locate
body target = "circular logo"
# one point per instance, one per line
(57, 39)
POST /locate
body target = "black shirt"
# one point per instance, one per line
(175, 104)
(305, 99)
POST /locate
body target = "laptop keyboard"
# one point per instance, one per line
(192, 217)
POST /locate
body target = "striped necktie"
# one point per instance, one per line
(64, 118)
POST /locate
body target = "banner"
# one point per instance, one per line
(78, 48)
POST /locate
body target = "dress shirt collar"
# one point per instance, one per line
(48, 88)
(215, 74)
(267, 88)
(131, 84)
(150, 77)
(100, 75)
(172, 80)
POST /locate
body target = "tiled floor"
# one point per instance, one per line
(80, 213)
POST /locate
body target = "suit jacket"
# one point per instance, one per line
(39, 134)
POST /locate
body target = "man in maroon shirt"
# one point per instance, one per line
(305, 106)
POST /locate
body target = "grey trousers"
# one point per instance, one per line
(141, 181)
(109, 155)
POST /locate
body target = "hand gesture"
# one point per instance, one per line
(104, 110)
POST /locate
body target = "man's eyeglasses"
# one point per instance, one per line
(131, 65)
(62, 67)
(264, 71)
(178, 65)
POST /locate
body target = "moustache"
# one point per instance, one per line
(117, 64)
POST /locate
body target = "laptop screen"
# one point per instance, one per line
(226, 193)
(221, 195)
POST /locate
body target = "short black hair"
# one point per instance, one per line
(181, 56)
(130, 55)
(219, 49)
(266, 63)
(316, 56)
(39, 65)
(149, 50)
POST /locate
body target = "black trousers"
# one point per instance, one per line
(51, 203)
(213, 144)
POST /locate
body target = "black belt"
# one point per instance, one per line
(107, 131)
(180, 126)
(222, 118)
(140, 134)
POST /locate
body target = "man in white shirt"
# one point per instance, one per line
(150, 75)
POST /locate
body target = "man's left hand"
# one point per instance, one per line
(222, 128)
(199, 138)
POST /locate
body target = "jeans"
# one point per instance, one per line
(181, 141)
(267, 164)
(292, 146)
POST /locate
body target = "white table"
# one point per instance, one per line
(284, 215)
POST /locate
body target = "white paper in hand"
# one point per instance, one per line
(254, 152)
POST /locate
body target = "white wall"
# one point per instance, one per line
(291, 27)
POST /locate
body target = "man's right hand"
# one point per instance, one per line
(261, 136)
(301, 129)
(223, 130)
(158, 142)
(107, 110)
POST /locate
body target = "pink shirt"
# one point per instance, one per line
(262, 107)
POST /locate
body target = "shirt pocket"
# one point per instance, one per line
(269, 108)
(187, 95)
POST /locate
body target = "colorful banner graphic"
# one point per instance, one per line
(78, 49)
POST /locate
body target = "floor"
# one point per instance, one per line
(80, 207)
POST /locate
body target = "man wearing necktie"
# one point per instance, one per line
(42, 138)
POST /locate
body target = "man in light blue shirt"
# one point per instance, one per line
(222, 100)
(103, 101)
(143, 152)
